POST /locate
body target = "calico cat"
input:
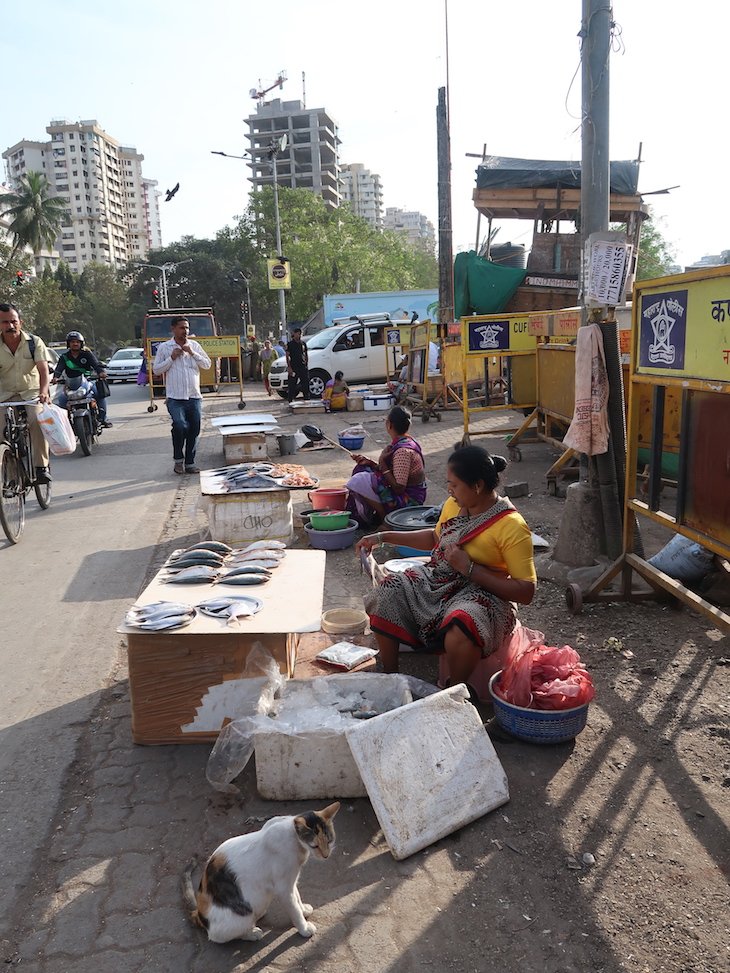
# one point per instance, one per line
(244, 874)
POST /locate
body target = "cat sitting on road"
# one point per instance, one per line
(243, 875)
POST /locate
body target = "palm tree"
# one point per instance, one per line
(35, 216)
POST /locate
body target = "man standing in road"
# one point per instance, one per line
(24, 376)
(298, 366)
(180, 360)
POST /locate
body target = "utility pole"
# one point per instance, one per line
(592, 522)
(275, 148)
(446, 254)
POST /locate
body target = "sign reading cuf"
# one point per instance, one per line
(279, 273)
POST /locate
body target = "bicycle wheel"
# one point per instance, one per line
(12, 495)
(43, 494)
(82, 434)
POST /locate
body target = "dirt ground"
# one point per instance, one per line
(611, 855)
(642, 793)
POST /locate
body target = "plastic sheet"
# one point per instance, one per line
(325, 706)
(544, 677)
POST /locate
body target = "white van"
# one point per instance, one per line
(356, 350)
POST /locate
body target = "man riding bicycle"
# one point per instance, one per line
(76, 361)
(24, 377)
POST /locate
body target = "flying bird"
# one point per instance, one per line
(169, 193)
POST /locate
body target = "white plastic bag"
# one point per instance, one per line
(57, 429)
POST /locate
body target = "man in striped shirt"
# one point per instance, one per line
(180, 360)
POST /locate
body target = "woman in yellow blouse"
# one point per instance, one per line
(463, 601)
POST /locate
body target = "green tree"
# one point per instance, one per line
(65, 277)
(35, 216)
(103, 312)
(656, 258)
(47, 310)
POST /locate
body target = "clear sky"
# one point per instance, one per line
(172, 77)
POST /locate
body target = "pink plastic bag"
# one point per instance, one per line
(545, 677)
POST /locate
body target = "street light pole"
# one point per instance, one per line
(282, 299)
(163, 269)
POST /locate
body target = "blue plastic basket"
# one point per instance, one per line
(537, 725)
(351, 442)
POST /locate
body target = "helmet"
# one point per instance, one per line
(74, 336)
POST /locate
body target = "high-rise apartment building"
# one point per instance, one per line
(310, 159)
(113, 213)
(363, 190)
(413, 225)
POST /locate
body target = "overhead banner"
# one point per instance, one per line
(279, 272)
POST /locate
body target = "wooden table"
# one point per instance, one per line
(186, 684)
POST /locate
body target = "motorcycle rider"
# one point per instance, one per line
(76, 361)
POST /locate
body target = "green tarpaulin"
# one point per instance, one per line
(481, 287)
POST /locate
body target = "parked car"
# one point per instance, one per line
(124, 365)
(358, 350)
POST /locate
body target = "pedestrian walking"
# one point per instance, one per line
(268, 356)
(297, 362)
(255, 359)
(180, 360)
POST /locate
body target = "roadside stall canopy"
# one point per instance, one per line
(482, 287)
(502, 172)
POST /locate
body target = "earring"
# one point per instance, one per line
(479, 490)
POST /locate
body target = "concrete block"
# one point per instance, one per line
(429, 769)
(521, 489)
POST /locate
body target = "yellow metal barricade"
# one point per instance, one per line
(680, 345)
(498, 368)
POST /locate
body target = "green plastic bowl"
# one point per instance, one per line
(331, 520)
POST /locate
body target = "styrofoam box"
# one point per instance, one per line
(377, 403)
(318, 763)
(239, 518)
(429, 769)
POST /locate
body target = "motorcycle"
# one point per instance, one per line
(83, 411)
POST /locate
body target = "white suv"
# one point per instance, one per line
(356, 350)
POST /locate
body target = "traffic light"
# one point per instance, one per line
(244, 310)
(19, 278)
(156, 296)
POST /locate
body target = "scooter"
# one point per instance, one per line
(83, 412)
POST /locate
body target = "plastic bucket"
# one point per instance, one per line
(328, 499)
(287, 445)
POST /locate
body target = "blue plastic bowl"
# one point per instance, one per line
(332, 540)
(537, 725)
(411, 551)
(351, 442)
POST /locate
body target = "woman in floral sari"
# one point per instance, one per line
(396, 480)
(462, 601)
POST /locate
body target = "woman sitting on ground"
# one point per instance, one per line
(462, 601)
(396, 480)
(335, 393)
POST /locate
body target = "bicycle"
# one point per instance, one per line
(18, 471)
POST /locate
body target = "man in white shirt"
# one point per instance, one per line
(180, 360)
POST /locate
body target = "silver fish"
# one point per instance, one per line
(194, 575)
(244, 579)
(262, 552)
(190, 560)
(263, 564)
(246, 569)
(264, 545)
(218, 547)
(163, 624)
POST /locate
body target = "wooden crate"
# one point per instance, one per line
(243, 447)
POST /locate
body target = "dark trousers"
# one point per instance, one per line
(299, 381)
(185, 415)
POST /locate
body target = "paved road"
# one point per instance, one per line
(64, 587)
